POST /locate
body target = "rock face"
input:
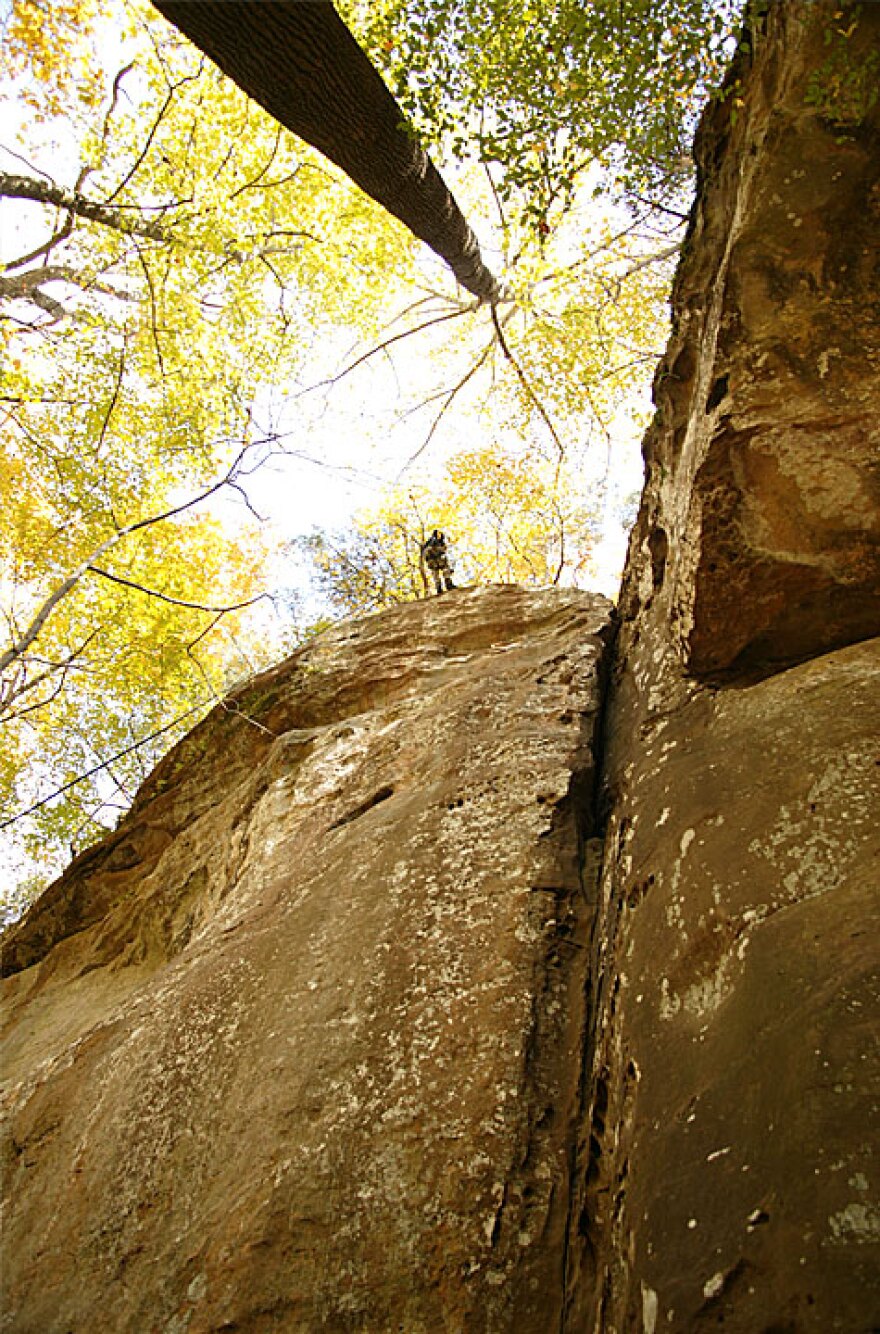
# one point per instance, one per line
(727, 1166)
(344, 1030)
(728, 1155)
(299, 1047)
(761, 516)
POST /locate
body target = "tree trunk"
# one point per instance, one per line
(299, 61)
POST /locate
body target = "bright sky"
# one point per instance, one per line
(360, 446)
(348, 444)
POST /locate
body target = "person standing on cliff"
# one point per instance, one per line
(435, 557)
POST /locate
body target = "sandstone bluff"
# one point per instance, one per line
(318, 1006)
(507, 962)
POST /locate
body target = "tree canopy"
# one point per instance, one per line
(513, 520)
(180, 272)
(541, 92)
(185, 265)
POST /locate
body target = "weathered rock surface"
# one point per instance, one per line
(728, 1172)
(761, 515)
(299, 1046)
(337, 1031)
(727, 1167)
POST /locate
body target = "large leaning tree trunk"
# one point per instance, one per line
(299, 61)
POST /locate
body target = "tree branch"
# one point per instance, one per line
(449, 396)
(661, 208)
(388, 342)
(249, 185)
(45, 192)
(12, 690)
(165, 597)
(173, 88)
(105, 764)
(327, 101)
(27, 286)
(521, 376)
(46, 248)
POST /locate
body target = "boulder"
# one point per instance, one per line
(761, 513)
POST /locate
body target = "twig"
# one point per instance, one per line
(165, 597)
(114, 96)
(15, 691)
(521, 375)
(661, 208)
(388, 342)
(187, 78)
(448, 397)
(249, 185)
(154, 322)
(44, 250)
(497, 198)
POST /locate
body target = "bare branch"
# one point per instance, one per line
(114, 399)
(154, 323)
(561, 566)
(521, 376)
(31, 166)
(50, 668)
(44, 250)
(19, 685)
(227, 703)
(449, 396)
(388, 342)
(590, 255)
(249, 185)
(51, 602)
(175, 602)
(27, 187)
(114, 97)
(187, 78)
(43, 301)
(27, 286)
(644, 263)
(199, 637)
(39, 704)
(495, 195)
(662, 208)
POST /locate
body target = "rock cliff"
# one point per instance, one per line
(497, 964)
(728, 1172)
(299, 1046)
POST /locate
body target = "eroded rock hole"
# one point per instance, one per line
(658, 546)
(718, 392)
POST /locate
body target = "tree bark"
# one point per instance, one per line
(300, 62)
